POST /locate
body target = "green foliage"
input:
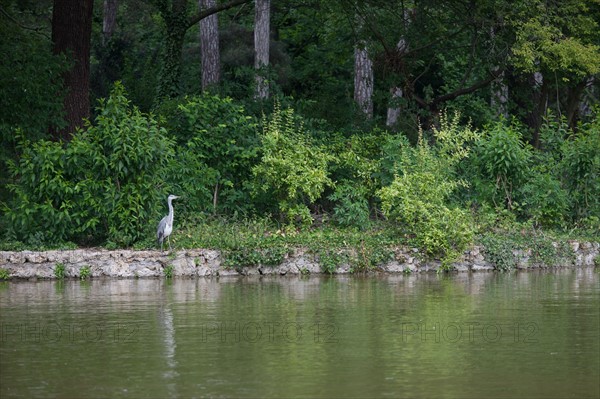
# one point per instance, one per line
(502, 160)
(330, 259)
(550, 187)
(84, 273)
(109, 183)
(130, 55)
(253, 241)
(542, 45)
(369, 256)
(59, 271)
(581, 168)
(364, 257)
(544, 201)
(545, 252)
(103, 184)
(352, 206)
(292, 169)
(168, 271)
(35, 245)
(248, 256)
(419, 197)
(4, 274)
(31, 98)
(188, 176)
(218, 145)
(396, 150)
(543, 198)
(498, 250)
(355, 169)
(502, 248)
(41, 203)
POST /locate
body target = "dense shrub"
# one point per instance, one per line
(394, 149)
(292, 169)
(580, 166)
(188, 176)
(355, 169)
(501, 159)
(351, 204)
(102, 185)
(218, 142)
(542, 199)
(551, 186)
(419, 196)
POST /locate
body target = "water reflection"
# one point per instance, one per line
(121, 292)
(166, 316)
(424, 335)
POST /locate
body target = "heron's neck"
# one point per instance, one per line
(171, 212)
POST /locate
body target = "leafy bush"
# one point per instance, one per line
(352, 206)
(103, 184)
(42, 204)
(498, 250)
(292, 169)
(502, 159)
(217, 134)
(419, 196)
(189, 177)
(395, 149)
(581, 170)
(543, 199)
(417, 201)
(356, 171)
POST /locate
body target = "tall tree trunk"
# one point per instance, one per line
(363, 80)
(499, 89)
(262, 22)
(499, 96)
(109, 20)
(396, 92)
(393, 111)
(589, 98)
(209, 47)
(71, 35)
(539, 100)
(574, 96)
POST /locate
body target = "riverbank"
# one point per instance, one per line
(84, 263)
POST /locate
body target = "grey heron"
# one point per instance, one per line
(165, 227)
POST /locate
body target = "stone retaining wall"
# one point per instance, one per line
(203, 262)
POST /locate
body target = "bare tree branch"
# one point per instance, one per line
(493, 75)
(466, 90)
(194, 19)
(20, 25)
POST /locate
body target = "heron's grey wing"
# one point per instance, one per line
(160, 232)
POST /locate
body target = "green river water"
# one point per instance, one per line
(532, 334)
